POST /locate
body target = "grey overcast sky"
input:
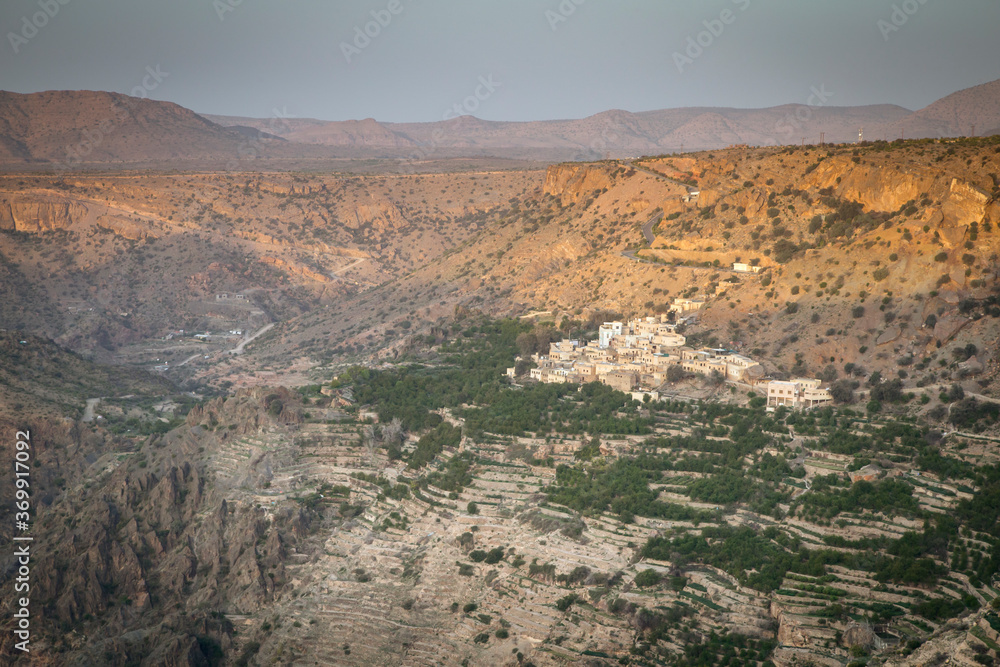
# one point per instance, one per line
(543, 58)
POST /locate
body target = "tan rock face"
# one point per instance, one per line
(571, 182)
(789, 634)
(878, 188)
(38, 214)
(965, 204)
(124, 227)
(385, 213)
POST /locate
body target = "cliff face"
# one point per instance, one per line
(573, 182)
(966, 204)
(136, 558)
(125, 228)
(35, 214)
(878, 188)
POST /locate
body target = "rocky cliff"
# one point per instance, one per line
(572, 182)
(33, 213)
(140, 554)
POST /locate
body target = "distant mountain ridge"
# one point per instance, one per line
(619, 133)
(616, 133)
(78, 128)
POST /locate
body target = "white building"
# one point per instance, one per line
(608, 331)
(797, 393)
(746, 268)
(681, 306)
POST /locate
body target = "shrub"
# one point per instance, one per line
(858, 311)
(880, 273)
(494, 556)
(843, 392)
(784, 250)
(941, 257)
(647, 578)
(564, 603)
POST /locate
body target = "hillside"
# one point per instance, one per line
(113, 264)
(75, 128)
(359, 264)
(881, 257)
(956, 114)
(346, 475)
(477, 523)
(38, 377)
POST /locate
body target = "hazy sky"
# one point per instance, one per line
(526, 59)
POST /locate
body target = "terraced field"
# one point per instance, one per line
(720, 535)
(390, 585)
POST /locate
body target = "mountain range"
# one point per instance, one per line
(79, 128)
(621, 133)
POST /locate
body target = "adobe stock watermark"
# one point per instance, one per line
(252, 148)
(714, 28)
(31, 25)
(562, 13)
(94, 136)
(795, 121)
(363, 35)
(223, 7)
(899, 17)
(486, 86)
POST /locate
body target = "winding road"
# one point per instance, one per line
(647, 229)
(257, 334)
(191, 358)
(88, 412)
(334, 274)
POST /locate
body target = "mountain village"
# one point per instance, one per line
(640, 356)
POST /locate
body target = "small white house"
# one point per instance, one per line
(746, 268)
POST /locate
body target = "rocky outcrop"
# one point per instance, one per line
(789, 633)
(144, 561)
(382, 215)
(879, 189)
(965, 204)
(267, 239)
(571, 183)
(124, 227)
(34, 214)
(251, 410)
(286, 188)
